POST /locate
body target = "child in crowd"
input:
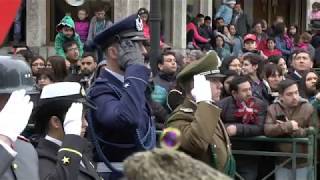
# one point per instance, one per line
(66, 32)
(82, 25)
(271, 49)
(98, 23)
(315, 13)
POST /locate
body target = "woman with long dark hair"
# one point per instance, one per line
(58, 65)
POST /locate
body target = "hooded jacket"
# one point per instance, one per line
(61, 38)
(273, 127)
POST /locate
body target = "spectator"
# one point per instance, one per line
(279, 60)
(240, 20)
(272, 77)
(58, 65)
(280, 122)
(226, 11)
(243, 116)
(301, 63)
(315, 27)
(88, 65)
(264, 26)
(252, 66)
(250, 45)
(66, 32)
(193, 55)
(283, 42)
(271, 30)
(82, 24)
(261, 37)
(315, 13)
(271, 49)
(45, 76)
(72, 56)
(304, 43)
(37, 63)
(193, 36)
(202, 131)
(236, 41)
(293, 33)
(206, 29)
(231, 63)
(220, 47)
(226, 82)
(98, 23)
(165, 78)
(309, 85)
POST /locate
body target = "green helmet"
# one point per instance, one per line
(15, 74)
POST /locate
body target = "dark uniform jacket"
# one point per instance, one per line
(200, 127)
(22, 167)
(62, 165)
(122, 114)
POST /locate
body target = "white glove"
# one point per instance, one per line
(201, 89)
(15, 115)
(73, 121)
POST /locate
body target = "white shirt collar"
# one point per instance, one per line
(54, 140)
(117, 75)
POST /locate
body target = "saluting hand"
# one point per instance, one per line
(201, 89)
(15, 115)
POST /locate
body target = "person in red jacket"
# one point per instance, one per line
(271, 49)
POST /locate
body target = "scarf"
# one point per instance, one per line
(247, 110)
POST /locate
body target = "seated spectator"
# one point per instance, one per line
(66, 32)
(226, 11)
(202, 131)
(45, 77)
(165, 78)
(271, 49)
(252, 67)
(304, 43)
(206, 29)
(261, 37)
(236, 41)
(293, 33)
(220, 47)
(315, 27)
(37, 63)
(243, 116)
(193, 36)
(281, 62)
(283, 42)
(250, 45)
(290, 115)
(301, 63)
(231, 63)
(58, 65)
(272, 77)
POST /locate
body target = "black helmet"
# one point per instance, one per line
(15, 74)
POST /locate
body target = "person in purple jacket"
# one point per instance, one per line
(82, 25)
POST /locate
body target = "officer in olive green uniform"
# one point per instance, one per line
(203, 135)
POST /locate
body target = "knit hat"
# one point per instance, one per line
(168, 164)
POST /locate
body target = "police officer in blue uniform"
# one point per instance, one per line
(122, 122)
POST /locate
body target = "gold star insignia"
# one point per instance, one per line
(66, 160)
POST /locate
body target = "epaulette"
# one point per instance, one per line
(22, 138)
(186, 110)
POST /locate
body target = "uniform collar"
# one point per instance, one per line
(54, 140)
(117, 75)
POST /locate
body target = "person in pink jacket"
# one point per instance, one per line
(193, 35)
(82, 25)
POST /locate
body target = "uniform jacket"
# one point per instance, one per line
(122, 110)
(301, 113)
(22, 167)
(52, 167)
(60, 38)
(200, 127)
(228, 107)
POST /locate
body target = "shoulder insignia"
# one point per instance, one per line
(65, 160)
(186, 110)
(22, 138)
